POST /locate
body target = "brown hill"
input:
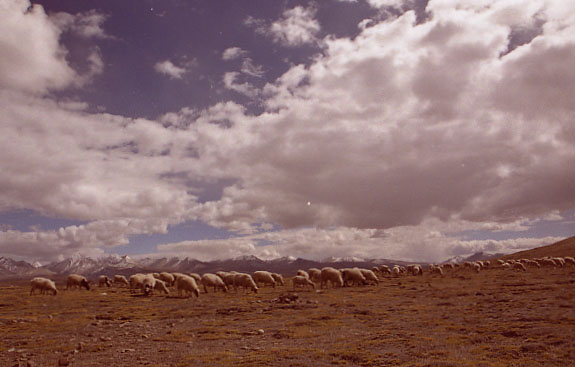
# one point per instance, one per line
(562, 248)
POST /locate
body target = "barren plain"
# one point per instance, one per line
(496, 318)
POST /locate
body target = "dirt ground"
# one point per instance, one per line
(498, 318)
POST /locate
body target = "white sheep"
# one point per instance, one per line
(476, 267)
(314, 274)
(560, 261)
(385, 269)
(212, 280)
(264, 277)
(43, 285)
(75, 280)
(168, 278)
(104, 281)
(120, 279)
(302, 273)
(329, 274)
(300, 280)
(136, 281)
(188, 286)
(246, 281)
(569, 260)
(447, 266)
(519, 266)
(487, 263)
(354, 276)
(506, 265)
(435, 269)
(547, 262)
(227, 277)
(278, 278)
(196, 277)
(161, 286)
(369, 275)
(148, 284)
(396, 270)
(414, 269)
(500, 262)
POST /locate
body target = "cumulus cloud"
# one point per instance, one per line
(296, 27)
(233, 53)
(396, 138)
(170, 69)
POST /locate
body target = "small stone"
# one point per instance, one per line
(261, 331)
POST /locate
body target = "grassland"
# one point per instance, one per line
(497, 318)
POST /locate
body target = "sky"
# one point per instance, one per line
(401, 129)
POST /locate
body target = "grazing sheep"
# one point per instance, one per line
(559, 260)
(352, 275)
(547, 262)
(278, 278)
(75, 280)
(196, 277)
(476, 267)
(168, 278)
(44, 285)
(500, 262)
(302, 273)
(136, 281)
(156, 275)
(435, 269)
(314, 274)
(329, 274)
(385, 269)
(120, 279)
(369, 275)
(148, 284)
(569, 260)
(300, 280)
(104, 281)
(227, 277)
(506, 265)
(519, 266)
(532, 263)
(187, 286)
(212, 280)
(264, 277)
(449, 266)
(396, 270)
(414, 269)
(161, 286)
(487, 263)
(246, 281)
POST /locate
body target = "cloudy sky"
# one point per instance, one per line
(402, 129)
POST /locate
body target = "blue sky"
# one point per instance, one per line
(413, 130)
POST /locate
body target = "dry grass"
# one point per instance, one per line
(494, 319)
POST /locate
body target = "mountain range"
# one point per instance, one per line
(126, 265)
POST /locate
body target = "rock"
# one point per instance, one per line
(261, 332)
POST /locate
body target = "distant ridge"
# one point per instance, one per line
(562, 248)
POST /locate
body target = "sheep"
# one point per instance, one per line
(302, 273)
(385, 269)
(300, 280)
(487, 263)
(278, 278)
(75, 280)
(569, 260)
(188, 286)
(329, 274)
(506, 265)
(559, 260)
(120, 279)
(354, 276)
(519, 266)
(196, 277)
(547, 262)
(44, 285)
(369, 275)
(448, 266)
(104, 281)
(148, 284)
(435, 269)
(136, 280)
(264, 277)
(314, 274)
(500, 262)
(156, 275)
(161, 286)
(533, 263)
(476, 267)
(414, 269)
(396, 270)
(212, 280)
(168, 278)
(227, 277)
(246, 281)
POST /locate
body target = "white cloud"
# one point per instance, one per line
(233, 53)
(231, 82)
(168, 68)
(249, 68)
(87, 25)
(386, 3)
(296, 27)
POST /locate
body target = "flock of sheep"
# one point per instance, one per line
(187, 285)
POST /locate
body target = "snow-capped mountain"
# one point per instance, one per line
(478, 256)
